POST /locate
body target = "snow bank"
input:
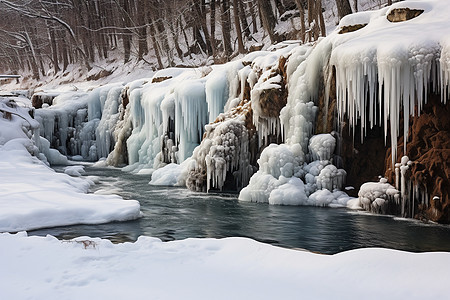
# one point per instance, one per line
(34, 196)
(231, 268)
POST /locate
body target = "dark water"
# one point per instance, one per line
(176, 213)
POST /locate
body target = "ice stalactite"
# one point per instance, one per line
(382, 74)
(191, 115)
(445, 70)
(110, 99)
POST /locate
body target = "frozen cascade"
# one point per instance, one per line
(191, 115)
(120, 154)
(110, 99)
(65, 124)
(221, 85)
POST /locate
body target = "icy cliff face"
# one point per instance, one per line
(384, 70)
(382, 65)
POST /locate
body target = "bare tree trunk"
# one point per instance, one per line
(267, 18)
(200, 9)
(310, 20)
(213, 27)
(64, 52)
(319, 11)
(253, 15)
(237, 25)
(174, 36)
(280, 7)
(51, 33)
(301, 9)
(226, 28)
(343, 8)
(126, 33)
(142, 30)
(156, 47)
(243, 17)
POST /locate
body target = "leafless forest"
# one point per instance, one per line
(42, 35)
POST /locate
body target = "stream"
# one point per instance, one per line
(173, 213)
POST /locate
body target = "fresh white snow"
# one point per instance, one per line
(231, 268)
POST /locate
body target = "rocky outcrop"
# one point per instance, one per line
(39, 99)
(428, 148)
(403, 14)
(351, 28)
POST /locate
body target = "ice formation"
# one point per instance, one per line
(300, 166)
(382, 74)
(223, 151)
(385, 69)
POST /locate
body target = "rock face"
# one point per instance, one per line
(403, 14)
(428, 148)
(351, 28)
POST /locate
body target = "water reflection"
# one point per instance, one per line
(176, 213)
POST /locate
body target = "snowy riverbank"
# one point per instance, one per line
(32, 195)
(232, 268)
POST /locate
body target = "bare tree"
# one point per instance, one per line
(343, 8)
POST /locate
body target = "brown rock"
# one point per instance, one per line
(351, 28)
(403, 14)
(429, 148)
(160, 79)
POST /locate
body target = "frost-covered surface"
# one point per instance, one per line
(374, 195)
(34, 196)
(285, 177)
(231, 268)
(382, 71)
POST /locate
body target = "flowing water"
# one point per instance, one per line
(176, 213)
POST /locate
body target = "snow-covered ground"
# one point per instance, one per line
(232, 268)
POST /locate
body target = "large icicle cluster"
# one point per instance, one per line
(65, 125)
(81, 125)
(385, 69)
